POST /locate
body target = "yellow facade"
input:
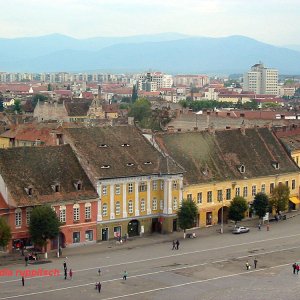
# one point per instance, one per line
(4, 142)
(295, 154)
(246, 188)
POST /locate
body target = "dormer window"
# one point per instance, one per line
(29, 190)
(105, 167)
(103, 146)
(78, 185)
(125, 145)
(242, 169)
(147, 163)
(55, 187)
(275, 165)
(130, 164)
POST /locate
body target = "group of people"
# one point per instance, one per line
(66, 271)
(175, 245)
(248, 266)
(296, 268)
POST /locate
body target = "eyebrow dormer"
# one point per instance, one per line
(29, 190)
(103, 146)
(78, 185)
(147, 163)
(56, 187)
(275, 165)
(125, 145)
(242, 169)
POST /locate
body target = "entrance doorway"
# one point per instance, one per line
(156, 225)
(105, 234)
(133, 228)
(208, 218)
(62, 242)
(225, 215)
(174, 225)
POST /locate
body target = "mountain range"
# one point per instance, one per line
(168, 52)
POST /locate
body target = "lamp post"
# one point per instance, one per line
(222, 215)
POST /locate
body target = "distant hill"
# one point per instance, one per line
(170, 52)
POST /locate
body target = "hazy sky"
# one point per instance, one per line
(272, 21)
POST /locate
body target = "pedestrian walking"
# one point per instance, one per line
(125, 237)
(26, 260)
(99, 271)
(268, 227)
(177, 245)
(247, 266)
(99, 287)
(65, 265)
(255, 263)
(259, 226)
(294, 268)
(23, 281)
(125, 274)
(66, 274)
(174, 245)
(297, 268)
(70, 273)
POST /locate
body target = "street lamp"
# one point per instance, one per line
(222, 215)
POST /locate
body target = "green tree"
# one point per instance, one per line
(134, 95)
(280, 198)
(237, 209)
(49, 88)
(187, 214)
(140, 110)
(17, 106)
(38, 97)
(5, 233)
(1, 102)
(44, 225)
(261, 204)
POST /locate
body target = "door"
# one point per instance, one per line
(133, 228)
(105, 234)
(174, 224)
(208, 218)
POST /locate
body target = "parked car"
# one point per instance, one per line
(241, 229)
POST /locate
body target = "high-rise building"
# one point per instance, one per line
(261, 80)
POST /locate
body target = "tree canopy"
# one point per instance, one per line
(140, 110)
(237, 209)
(38, 97)
(5, 233)
(261, 204)
(44, 225)
(280, 198)
(1, 102)
(187, 214)
(17, 106)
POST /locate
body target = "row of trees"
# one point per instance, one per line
(278, 201)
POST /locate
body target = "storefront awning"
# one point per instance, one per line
(295, 200)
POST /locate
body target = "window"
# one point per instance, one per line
(199, 197)
(209, 196)
(130, 207)
(62, 214)
(28, 215)
(118, 189)
(143, 187)
(175, 203)
(130, 188)
(89, 235)
(76, 212)
(87, 212)
(272, 185)
(154, 185)
(118, 208)
(154, 204)
(293, 184)
(143, 206)
(18, 217)
(228, 194)
(189, 197)
(237, 191)
(76, 237)
(220, 195)
(287, 183)
(161, 204)
(245, 191)
(104, 210)
(104, 190)
(263, 188)
(253, 190)
(162, 185)
(175, 184)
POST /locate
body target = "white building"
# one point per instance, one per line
(261, 80)
(151, 82)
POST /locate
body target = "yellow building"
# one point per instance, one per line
(4, 142)
(223, 164)
(140, 190)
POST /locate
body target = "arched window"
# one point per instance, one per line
(76, 212)
(62, 214)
